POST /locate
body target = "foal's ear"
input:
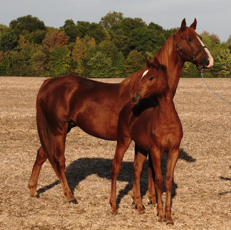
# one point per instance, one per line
(183, 25)
(194, 24)
(148, 63)
(156, 63)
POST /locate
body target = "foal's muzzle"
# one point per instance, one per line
(136, 97)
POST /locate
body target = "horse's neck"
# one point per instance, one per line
(128, 85)
(169, 57)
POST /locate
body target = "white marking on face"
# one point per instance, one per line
(209, 54)
(144, 73)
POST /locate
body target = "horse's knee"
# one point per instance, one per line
(168, 184)
(115, 168)
(41, 157)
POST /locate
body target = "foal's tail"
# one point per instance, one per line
(46, 137)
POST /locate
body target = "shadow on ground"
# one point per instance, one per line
(78, 170)
(227, 179)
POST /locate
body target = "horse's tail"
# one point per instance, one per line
(46, 137)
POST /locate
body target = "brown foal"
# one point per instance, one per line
(156, 129)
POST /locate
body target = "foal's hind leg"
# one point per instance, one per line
(40, 159)
(137, 171)
(151, 185)
(156, 161)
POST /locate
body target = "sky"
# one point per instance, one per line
(213, 16)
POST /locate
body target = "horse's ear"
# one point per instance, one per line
(183, 25)
(194, 24)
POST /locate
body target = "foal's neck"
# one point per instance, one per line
(166, 106)
(169, 57)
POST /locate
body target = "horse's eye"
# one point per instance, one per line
(150, 78)
(190, 39)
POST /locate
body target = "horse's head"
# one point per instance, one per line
(153, 81)
(190, 47)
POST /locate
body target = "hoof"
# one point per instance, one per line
(74, 201)
(150, 202)
(141, 211)
(170, 222)
(114, 211)
(36, 195)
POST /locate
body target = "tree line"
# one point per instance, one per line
(114, 47)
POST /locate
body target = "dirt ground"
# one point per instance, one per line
(202, 188)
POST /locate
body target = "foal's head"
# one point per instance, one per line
(153, 81)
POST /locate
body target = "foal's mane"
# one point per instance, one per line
(130, 82)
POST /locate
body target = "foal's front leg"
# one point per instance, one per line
(121, 148)
(171, 163)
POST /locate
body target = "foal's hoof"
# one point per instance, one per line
(36, 195)
(114, 211)
(74, 201)
(150, 202)
(170, 222)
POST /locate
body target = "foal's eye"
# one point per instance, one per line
(189, 39)
(150, 78)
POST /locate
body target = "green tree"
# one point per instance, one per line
(112, 52)
(100, 65)
(60, 59)
(222, 68)
(134, 62)
(39, 62)
(71, 30)
(111, 19)
(27, 23)
(8, 41)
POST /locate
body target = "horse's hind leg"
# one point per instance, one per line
(40, 159)
(59, 166)
(121, 148)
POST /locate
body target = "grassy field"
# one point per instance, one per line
(202, 188)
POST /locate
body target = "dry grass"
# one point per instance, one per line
(202, 189)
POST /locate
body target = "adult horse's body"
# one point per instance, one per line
(69, 101)
(157, 130)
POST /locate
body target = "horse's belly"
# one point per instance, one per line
(99, 126)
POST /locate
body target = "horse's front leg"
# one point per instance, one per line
(171, 163)
(121, 148)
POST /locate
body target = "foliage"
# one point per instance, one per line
(114, 47)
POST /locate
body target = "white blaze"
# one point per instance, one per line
(209, 54)
(144, 73)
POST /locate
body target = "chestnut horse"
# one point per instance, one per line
(68, 101)
(156, 130)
